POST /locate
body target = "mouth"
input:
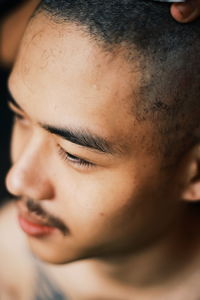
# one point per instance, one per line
(34, 228)
(33, 224)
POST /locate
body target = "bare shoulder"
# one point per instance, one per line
(16, 270)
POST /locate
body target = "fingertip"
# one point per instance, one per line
(176, 13)
(185, 12)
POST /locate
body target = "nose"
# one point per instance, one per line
(29, 175)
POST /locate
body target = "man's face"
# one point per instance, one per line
(81, 161)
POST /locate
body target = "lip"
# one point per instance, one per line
(32, 224)
(35, 228)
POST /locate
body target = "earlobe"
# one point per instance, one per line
(191, 175)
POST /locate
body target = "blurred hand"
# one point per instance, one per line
(186, 12)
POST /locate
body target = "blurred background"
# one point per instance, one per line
(14, 15)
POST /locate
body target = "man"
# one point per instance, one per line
(106, 149)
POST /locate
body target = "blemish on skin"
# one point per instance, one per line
(102, 214)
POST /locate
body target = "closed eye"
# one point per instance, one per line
(73, 159)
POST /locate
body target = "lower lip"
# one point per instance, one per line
(34, 229)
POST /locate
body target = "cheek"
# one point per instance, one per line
(97, 200)
(110, 204)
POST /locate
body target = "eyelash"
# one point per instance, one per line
(18, 116)
(74, 159)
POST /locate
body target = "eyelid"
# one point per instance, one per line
(80, 163)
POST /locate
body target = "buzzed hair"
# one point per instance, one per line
(168, 53)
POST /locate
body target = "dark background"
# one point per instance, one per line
(6, 7)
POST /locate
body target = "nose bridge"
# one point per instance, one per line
(32, 155)
(29, 174)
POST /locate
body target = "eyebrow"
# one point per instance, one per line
(78, 136)
(82, 138)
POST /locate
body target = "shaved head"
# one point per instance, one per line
(166, 53)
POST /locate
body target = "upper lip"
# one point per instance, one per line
(31, 216)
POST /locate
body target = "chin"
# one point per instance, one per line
(55, 259)
(54, 254)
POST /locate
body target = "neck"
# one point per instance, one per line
(162, 260)
(151, 272)
(135, 275)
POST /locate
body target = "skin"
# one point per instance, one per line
(186, 12)
(125, 211)
(82, 196)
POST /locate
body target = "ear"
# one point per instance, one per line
(190, 173)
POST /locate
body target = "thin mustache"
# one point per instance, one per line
(34, 207)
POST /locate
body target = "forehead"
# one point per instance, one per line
(62, 75)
